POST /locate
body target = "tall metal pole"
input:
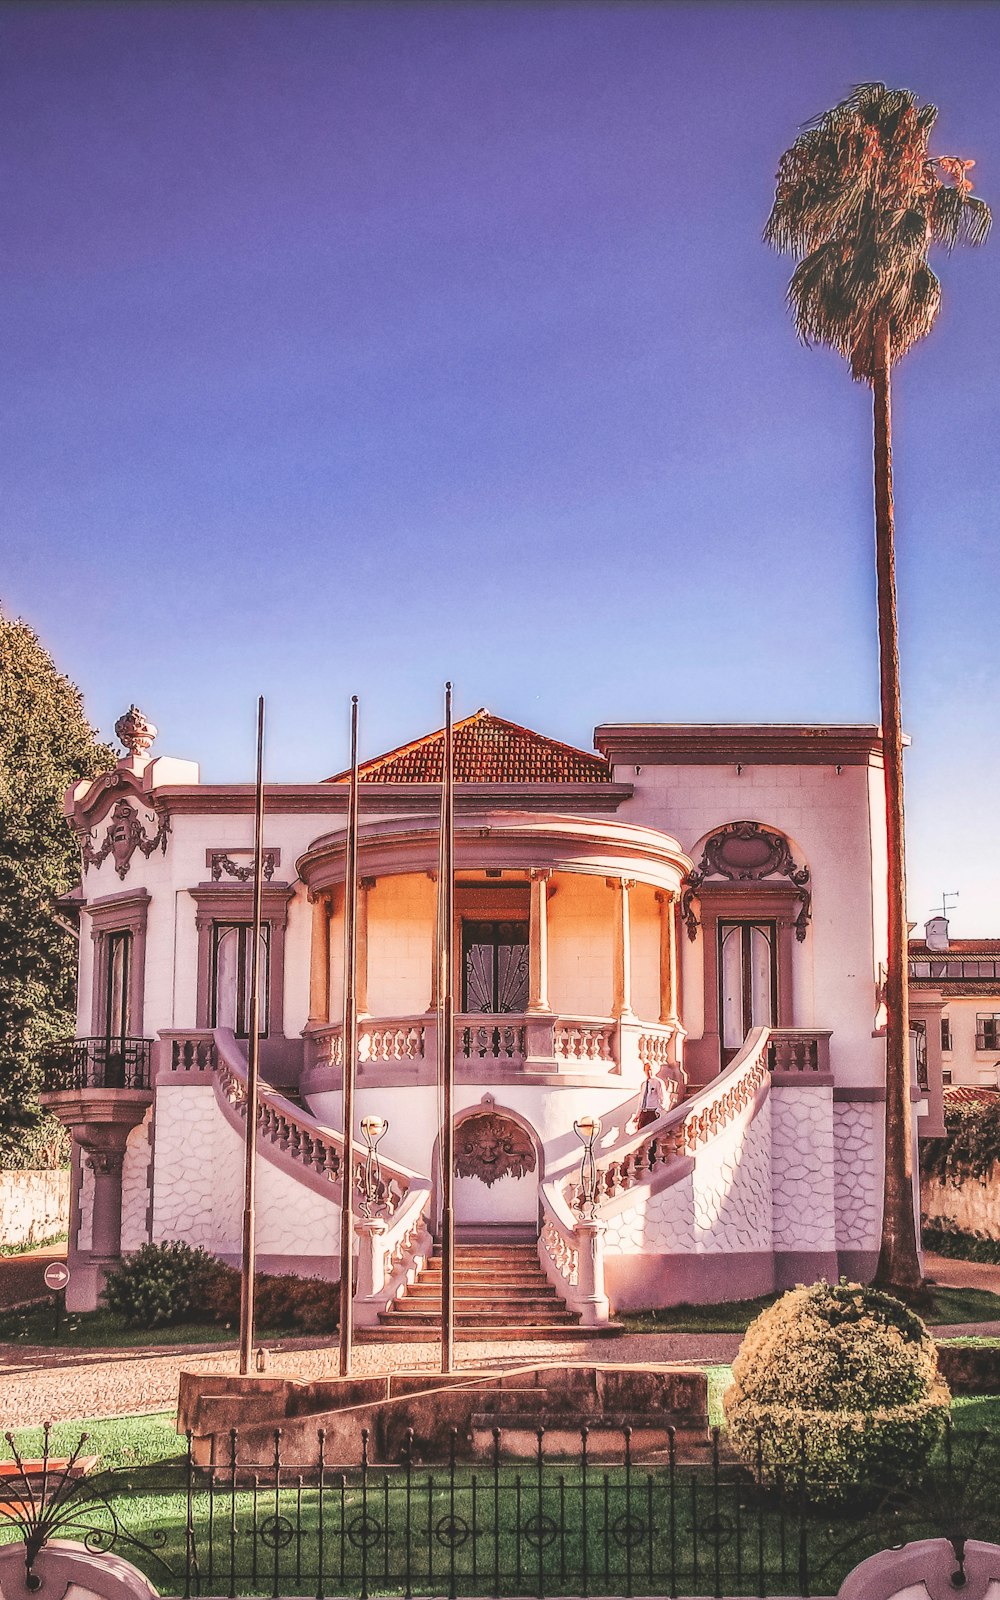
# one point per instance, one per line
(249, 1256)
(446, 1035)
(350, 1053)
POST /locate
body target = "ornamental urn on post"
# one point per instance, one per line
(136, 733)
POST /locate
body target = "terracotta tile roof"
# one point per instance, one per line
(488, 749)
(958, 1095)
(956, 947)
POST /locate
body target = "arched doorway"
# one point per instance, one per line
(497, 1168)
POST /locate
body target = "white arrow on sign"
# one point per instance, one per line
(57, 1275)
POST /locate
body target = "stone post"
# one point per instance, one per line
(668, 958)
(591, 1300)
(371, 1269)
(538, 941)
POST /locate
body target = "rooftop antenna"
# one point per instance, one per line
(946, 895)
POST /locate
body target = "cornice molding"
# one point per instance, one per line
(325, 799)
(728, 744)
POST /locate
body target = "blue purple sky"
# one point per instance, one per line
(351, 347)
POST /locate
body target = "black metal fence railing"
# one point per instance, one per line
(97, 1064)
(541, 1525)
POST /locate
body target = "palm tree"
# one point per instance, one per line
(859, 202)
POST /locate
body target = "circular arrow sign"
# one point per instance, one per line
(57, 1275)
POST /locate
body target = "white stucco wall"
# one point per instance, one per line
(198, 1185)
(828, 818)
(135, 1185)
(802, 1168)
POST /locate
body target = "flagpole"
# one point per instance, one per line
(249, 1255)
(446, 1036)
(349, 1039)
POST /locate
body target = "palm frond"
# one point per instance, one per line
(859, 201)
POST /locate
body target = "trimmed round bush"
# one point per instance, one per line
(159, 1284)
(836, 1391)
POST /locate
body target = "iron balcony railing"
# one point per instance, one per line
(97, 1064)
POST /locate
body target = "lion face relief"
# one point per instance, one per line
(489, 1147)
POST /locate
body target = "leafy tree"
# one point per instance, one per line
(860, 201)
(46, 744)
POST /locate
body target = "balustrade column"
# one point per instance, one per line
(623, 948)
(668, 957)
(361, 976)
(538, 940)
(319, 961)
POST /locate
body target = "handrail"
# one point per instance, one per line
(295, 1131)
(680, 1131)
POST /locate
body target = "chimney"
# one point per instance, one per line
(936, 933)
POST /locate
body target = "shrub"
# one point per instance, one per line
(836, 1391)
(948, 1239)
(168, 1283)
(159, 1284)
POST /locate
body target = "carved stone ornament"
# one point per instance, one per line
(135, 731)
(223, 863)
(490, 1147)
(745, 852)
(125, 835)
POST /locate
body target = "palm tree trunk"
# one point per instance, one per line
(898, 1263)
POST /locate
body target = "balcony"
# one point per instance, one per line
(525, 1044)
(79, 1064)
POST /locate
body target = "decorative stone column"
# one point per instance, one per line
(666, 901)
(432, 1003)
(319, 961)
(361, 976)
(622, 1007)
(538, 940)
(100, 1121)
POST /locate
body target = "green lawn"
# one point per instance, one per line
(519, 1530)
(734, 1316)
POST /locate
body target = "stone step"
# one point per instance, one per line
(521, 1309)
(398, 1332)
(401, 1312)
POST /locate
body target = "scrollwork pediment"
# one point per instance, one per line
(746, 852)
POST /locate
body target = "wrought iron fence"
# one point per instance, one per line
(541, 1525)
(97, 1064)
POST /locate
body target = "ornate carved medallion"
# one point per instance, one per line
(124, 836)
(745, 852)
(489, 1146)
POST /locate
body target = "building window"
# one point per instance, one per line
(494, 967)
(945, 1033)
(920, 1052)
(988, 1030)
(946, 1076)
(117, 956)
(232, 944)
(747, 982)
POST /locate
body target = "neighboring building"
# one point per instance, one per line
(705, 904)
(955, 998)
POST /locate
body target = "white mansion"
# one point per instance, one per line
(700, 907)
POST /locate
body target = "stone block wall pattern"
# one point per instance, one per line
(858, 1136)
(33, 1205)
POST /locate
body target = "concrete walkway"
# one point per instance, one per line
(47, 1384)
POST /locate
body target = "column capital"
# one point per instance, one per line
(666, 897)
(368, 883)
(539, 874)
(623, 883)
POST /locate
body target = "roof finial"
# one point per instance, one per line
(136, 733)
